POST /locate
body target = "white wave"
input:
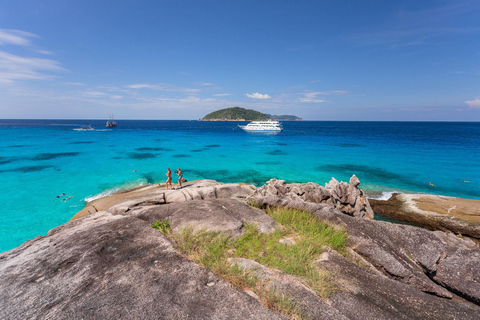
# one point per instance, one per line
(113, 190)
(384, 196)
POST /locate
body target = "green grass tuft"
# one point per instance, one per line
(310, 237)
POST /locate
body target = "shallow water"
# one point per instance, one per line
(41, 159)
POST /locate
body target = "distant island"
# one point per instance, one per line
(242, 114)
(284, 117)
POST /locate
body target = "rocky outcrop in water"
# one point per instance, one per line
(111, 264)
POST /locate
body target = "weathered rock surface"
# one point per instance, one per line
(347, 198)
(121, 202)
(363, 295)
(290, 287)
(460, 216)
(114, 267)
(460, 273)
(228, 216)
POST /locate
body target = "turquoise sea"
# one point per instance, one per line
(41, 159)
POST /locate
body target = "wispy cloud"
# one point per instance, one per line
(94, 94)
(311, 96)
(257, 95)
(162, 87)
(474, 104)
(13, 67)
(223, 94)
(204, 84)
(16, 37)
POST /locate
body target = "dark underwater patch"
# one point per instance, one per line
(254, 177)
(371, 173)
(212, 146)
(268, 163)
(18, 146)
(140, 155)
(198, 150)
(31, 168)
(49, 156)
(81, 142)
(281, 144)
(152, 149)
(149, 177)
(181, 156)
(348, 145)
(276, 152)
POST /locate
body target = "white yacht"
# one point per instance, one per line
(269, 125)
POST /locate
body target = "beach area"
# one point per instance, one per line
(44, 159)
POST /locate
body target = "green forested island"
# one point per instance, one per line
(242, 114)
(235, 114)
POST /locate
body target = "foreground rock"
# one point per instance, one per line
(114, 267)
(111, 264)
(460, 216)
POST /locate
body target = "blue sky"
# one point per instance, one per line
(320, 60)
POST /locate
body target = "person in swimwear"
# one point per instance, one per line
(169, 179)
(180, 177)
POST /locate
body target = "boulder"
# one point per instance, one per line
(114, 267)
(227, 216)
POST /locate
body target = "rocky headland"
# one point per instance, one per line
(109, 263)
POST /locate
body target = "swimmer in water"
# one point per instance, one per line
(431, 184)
(61, 195)
(65, 200)
(466, 181)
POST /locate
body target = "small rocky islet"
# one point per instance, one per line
(109, 263)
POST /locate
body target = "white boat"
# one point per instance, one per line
(268, 125)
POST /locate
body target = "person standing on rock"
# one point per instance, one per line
(169, 179)
(180, 177)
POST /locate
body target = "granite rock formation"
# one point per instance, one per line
(347, 198)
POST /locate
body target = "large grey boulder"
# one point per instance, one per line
(227, 216)
(363, 295)
(114, 267)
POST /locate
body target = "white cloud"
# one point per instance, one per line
(311, 96)
(161, 87)
(223, 94)
(116, 97)
(474, 104)
(204, 84)
(15, 37)
(95, 94)
(13, 67)
(257, 95)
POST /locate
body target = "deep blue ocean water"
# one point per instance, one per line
(41, 159)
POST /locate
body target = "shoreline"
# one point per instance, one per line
(438, 212)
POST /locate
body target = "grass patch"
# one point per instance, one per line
(309, 235)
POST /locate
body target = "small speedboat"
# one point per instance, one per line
(89, 128)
